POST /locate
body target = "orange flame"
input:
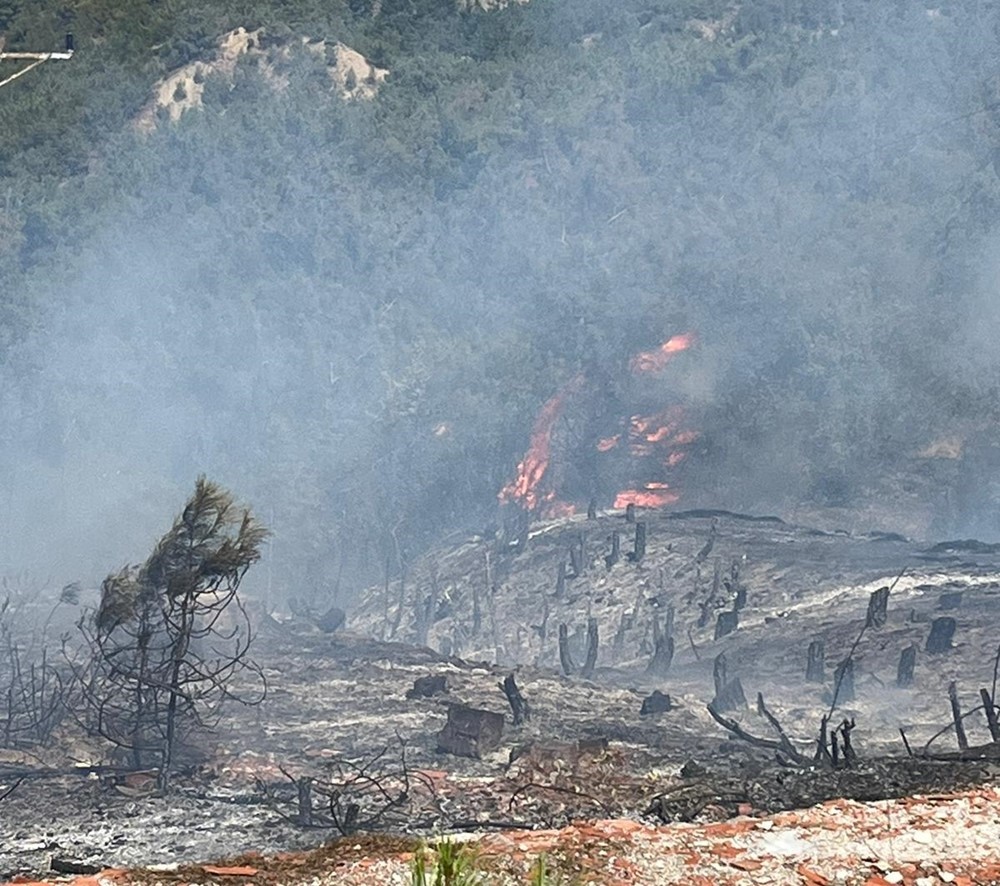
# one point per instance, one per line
(554, 509)
(652, 495)
(608, 443)
(655, 360)
(525, 488)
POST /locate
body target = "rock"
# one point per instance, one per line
(656, 703)
(470, 732)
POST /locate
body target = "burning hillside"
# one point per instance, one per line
(643, 452)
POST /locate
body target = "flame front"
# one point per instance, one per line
(526, 487)
(651, 495)
(655, 443)
(656, 360)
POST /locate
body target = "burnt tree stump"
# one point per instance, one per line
(668, 622)
(639, 545)
(815, 662)
(719, 669)
(940, 637)
(561, 579)
(655, 703)
(576, 561)
(878, 608)
(592, 509)
(616, 550)
(425, 687)
(956, 715)
(304, 815)
(991, 714)
(843, 682)
(565, 656)
(729, 695)
(726, 623)
(630, 513)
(518, 706)
(907, 661)
(470, 732)
(951, 600)
(663, 655)
(593, 639)
(730, 698)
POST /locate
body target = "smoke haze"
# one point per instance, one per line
(350, 312)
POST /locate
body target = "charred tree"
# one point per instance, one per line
(940, 637)
(592, 509)
(169, 636)
(561, 579)
(878, 608)
(630, 513)
(907, 662)
(815, 662)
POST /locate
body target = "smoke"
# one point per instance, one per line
(350, 313)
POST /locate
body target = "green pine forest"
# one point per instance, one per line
(350, 311)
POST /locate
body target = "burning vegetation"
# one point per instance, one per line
(644, 453)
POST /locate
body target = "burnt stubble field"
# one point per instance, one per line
(344, 723)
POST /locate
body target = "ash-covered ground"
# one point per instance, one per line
(485, 608)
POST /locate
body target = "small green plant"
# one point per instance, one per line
(455, 866)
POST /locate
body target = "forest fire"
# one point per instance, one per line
(657, 359)
(654, 442)
(526, 488)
